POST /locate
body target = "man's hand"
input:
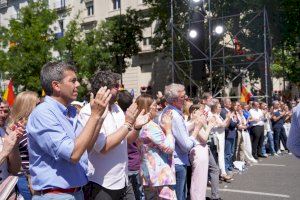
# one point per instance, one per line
(100, 103)
(166, 122)
(131, 114)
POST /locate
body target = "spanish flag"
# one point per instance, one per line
(245, 94)
(9, 94)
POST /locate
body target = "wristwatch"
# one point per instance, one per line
(128, 126)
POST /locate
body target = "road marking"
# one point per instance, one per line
(253, 192)
(273, 165)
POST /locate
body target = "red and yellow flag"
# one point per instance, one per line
(245, 94)
(9, 94)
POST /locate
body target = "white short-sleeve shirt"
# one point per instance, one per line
(110, 170)
(257, 114)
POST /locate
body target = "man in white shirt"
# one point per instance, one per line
(257, 129)
(108, 173)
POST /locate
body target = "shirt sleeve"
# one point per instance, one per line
(100, 142)
(46, 130)
(185, 143)
(83, 117)
(164, 143)
(293, 142)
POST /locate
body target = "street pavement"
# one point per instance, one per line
(272, 178)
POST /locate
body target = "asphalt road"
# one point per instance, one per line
(272, 178)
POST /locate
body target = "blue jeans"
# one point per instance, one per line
(135, 181)
(23, 187)
(268, 139)
(180, 186)
(61, 196)
(229, 152)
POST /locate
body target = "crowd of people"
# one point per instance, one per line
(117, 147)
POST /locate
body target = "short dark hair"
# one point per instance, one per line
(54, 71)
(103, 78)
(124, 99)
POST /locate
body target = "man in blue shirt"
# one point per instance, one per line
(293, 141)
(57, 151)
(175, 95)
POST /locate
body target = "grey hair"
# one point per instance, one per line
(53, 71)
(226, 100)
(274, 102)
(213, 104)
(171, 92)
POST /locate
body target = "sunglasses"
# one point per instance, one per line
(116, 86)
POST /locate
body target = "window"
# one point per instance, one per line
(116, 4)
(147, 41)
(90, 10)
(61, 26)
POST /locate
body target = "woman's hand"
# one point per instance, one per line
(141, 120)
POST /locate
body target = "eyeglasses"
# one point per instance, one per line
(116, 86)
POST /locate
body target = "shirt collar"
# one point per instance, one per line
(71, 110)
(174, 108)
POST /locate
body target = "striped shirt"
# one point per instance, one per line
(23, 148)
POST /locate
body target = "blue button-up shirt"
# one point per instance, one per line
(183, 142)
(293, 141)
(52, 129)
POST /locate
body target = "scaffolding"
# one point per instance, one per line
(237, 51)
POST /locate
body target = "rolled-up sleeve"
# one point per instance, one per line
(49, 135)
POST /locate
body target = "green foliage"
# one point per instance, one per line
(286, 64)
(30, 40)
(104, 47)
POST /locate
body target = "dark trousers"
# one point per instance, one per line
(137, 187)
(94, 191)
(279, 135)
(257, 139)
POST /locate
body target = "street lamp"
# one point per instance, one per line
(219, 29)
(193, 34)
(196, 1)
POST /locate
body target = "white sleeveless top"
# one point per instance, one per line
(218, 129)
(3, 167)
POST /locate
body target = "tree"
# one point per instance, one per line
(123, 34)
(29, 41)
(104, 47)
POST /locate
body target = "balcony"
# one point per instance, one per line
(3, 4)
(59, 5)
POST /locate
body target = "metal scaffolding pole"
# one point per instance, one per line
(172, 35)
(209, 41)
(266, 55)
